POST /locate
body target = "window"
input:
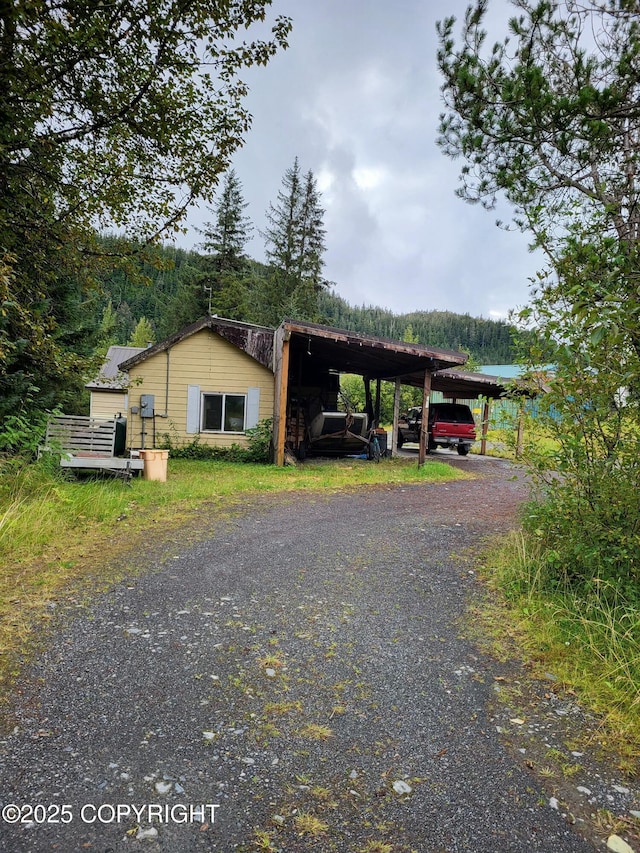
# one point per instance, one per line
(223, 412)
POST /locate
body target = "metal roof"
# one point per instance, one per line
(467, 386)
(111, 377)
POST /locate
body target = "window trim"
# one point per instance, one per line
(224, 395)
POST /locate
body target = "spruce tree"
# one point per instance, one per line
(226, 237)
(295, 244)
(223, 285)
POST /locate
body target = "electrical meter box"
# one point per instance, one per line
(147, 405)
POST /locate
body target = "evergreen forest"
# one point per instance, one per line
(177, 288)
(135, 292)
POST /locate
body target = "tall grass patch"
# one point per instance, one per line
(588, 635)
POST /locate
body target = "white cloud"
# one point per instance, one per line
(369, 177)
(356, 97)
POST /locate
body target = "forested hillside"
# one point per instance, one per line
(176, 294)
(130, 291)
(488, 341)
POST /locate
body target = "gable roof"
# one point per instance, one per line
(256, 341)
(110, 377)
(332, 349)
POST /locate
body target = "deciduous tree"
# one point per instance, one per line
(549, 119)
(111, 115)
(143, 334)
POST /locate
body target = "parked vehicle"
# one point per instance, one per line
(450, 425)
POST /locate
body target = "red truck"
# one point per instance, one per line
(450, 425)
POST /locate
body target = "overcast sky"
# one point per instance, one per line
(356, 98)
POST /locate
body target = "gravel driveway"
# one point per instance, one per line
(295, 678)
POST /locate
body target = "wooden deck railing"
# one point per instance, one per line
(81, 435)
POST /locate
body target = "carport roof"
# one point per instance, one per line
(368, 355)
(467, 386)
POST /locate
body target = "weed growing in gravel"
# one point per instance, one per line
(270, 662)
(263, 840)
(316, 731)
(318, 792)
(376, 847)
(547, 772)
(282, 708)
(310, 825)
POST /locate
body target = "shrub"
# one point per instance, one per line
(258, 449)
(260, 441)
(22, 434)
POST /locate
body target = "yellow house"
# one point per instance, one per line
(212, 381)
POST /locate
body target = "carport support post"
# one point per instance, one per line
(368, 401)
(424, 428)
(486, 408)
(396, 417)
(281, 356)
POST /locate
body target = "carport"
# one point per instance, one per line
(309, 357)
(459, 385)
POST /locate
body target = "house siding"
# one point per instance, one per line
(107, 404)
(204, 360)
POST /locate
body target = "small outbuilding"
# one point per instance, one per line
(109, 391)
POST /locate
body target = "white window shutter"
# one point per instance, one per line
(193, 408)
(253, 408)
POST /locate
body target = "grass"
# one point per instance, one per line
(310, 825)
(60, 539)
(590, 642)
(502, 442)
(316, 731)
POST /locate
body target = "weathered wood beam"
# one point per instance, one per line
(368, 401)
(486, 409)
(396, 417)
(281, 358)
(424, 428)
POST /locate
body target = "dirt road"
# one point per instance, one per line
(296, 678)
